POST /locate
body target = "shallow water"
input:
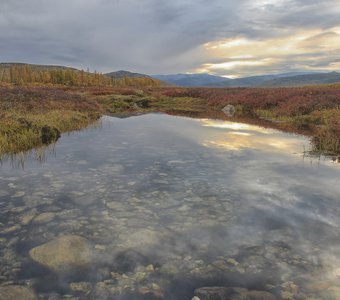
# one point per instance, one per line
(170, 204)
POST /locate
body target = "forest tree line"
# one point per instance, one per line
(27, 75)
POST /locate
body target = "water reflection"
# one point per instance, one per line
(18, 160)
(39, 155)
(154, 207)
(238, 136)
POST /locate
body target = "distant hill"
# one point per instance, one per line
(122, 74)
(301, 80)
(129, 78)
(272, 80)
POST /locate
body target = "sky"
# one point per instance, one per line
(222, 37)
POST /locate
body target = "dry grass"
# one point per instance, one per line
(32, 117)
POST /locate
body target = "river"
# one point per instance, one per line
(156, 206)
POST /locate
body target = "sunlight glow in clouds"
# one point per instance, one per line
(264, 3)
(307, 49)
(236, 64)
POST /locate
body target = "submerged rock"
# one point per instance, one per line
(169, 269)
(19, 194)
(230, 293)
(141, 239)
(81, 287)
(17, 292)
(44, 218)
(27, 217)
(213, 293)
(64, 253)
(11, 229)
(254, 295)
(84, 199)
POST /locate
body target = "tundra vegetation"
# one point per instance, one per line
(37, 105)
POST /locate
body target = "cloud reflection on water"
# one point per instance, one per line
(238, 136)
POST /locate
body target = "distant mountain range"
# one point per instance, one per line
(307, 79)
(207, 80)
(193, 79)
(275, 80)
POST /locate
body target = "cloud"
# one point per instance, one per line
(157, 36)
(302, 50)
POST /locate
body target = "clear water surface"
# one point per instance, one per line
(157, 206)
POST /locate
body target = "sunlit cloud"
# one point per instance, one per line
(236, 64)
(312, 49)
(264, 3)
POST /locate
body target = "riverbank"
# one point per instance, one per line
(34, 116)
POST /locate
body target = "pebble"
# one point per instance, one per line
(150, 268)
(11, 229)
(81, 287)
(233, 262)
(287, 295)
(19, 194)
(100, 247)
(44, 218)
(16, 292)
